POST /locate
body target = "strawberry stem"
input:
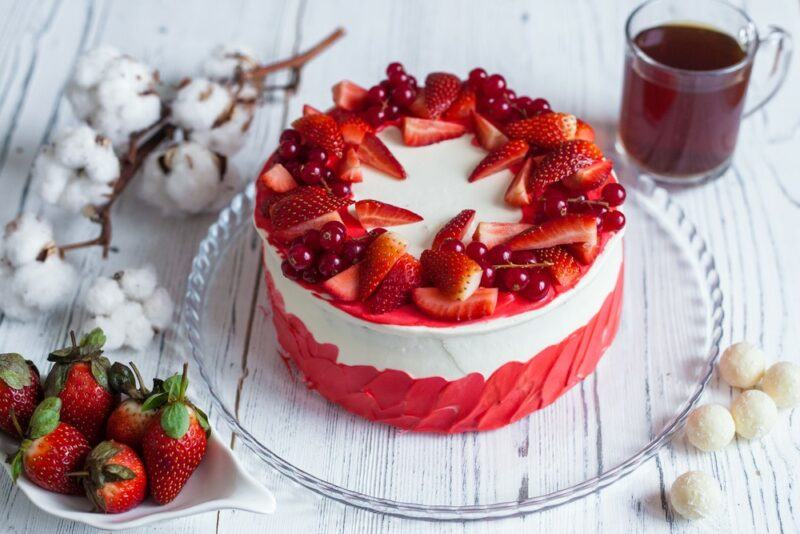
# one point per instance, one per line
(15, 422)
(144, 391)
(184, 380)
(78, 474)
(73, 338)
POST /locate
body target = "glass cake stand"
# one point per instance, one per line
(595, 434)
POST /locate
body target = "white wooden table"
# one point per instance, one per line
(570, 52)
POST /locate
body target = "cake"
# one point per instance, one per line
(441, 258)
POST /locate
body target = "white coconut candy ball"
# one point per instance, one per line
(24, 239)
(104, 296)
(158, 308)
(710, 427)
(782, 383)
(200, 103)
(695, 495)
(113, 330)
(228, 137)
(754, 413)
(138, 284)
(742, 365)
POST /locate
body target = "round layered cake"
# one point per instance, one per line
(441, 258)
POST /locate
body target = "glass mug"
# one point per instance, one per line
(679, 124)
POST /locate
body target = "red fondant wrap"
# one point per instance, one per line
(434, 404)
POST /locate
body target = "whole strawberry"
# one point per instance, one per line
(80, 379)
(114, 478)
(51, 451)
(175, 442)
(129, 420)
(20, 392)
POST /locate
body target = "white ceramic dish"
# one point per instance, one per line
(219, 483)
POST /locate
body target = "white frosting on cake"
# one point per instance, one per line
(437, 189)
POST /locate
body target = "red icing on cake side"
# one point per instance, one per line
(433, 404)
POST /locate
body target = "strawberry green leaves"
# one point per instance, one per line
(175, 415)
(45, 418)
(14, 371)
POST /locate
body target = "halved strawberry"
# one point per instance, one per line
(585, 252)
(395, 290)
(374, 153)
(348, 95)
(547, 130)
(417, 107)
(421, 132)
(463, 107)
(350, 167)
(354, 128)
(344, 286)
(560, 231)
(517, 193)
(489, 136)
(316, 223)
(310, 110)
(565, 269)
(589, 177)
(562, 163)
(379, 258)
(441, 90)
(303, 207)
(278, 179)
(375, 214)
(321, 130)
(432, 302)
(455, 274)
(584, 131)
(492, 234)
(500, 159)
(456, 228)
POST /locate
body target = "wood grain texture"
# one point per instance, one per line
(569, 52)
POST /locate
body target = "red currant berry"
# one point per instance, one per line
(498, 108)
(523, 257)
(311, 239)
(614, 194)
(386, 84)
(288, 150)
(394, 67)
(329, 264)
(288, 271)
(493, 85)
(300, 256)
(510, 94)
(340, 189)
(452, 244)
(317, 155)
(612, 221)
(412, 81)
(404, 95)
(330, 239)
(476, 77)
(293, 167)
(311, 173)
(538, 287)
(555, 204)
(488, 277)
(376, 94)
(352, 250)
(522, 102)
(500, 255)
(372, 234)
(514, 279)
(392, 112)
(291, 135)
(477, 250)
(375, 115)
(296, 241)
(397, 78)
(311, 275)
(335, 227)
(539, 105)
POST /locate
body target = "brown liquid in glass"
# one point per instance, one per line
(683, 123)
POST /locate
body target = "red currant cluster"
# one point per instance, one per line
(556, 203)
(392, 95)
(308, 164)
(320, 254)
(499, 102)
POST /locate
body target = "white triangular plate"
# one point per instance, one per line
(219, 483)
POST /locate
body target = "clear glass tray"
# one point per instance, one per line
(601, 430)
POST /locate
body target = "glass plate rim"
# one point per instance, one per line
(234, 218)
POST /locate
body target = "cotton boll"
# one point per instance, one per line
(226, 59)
(138, 284)
(113, 330)
(158, 308)
(138, 330)
(74, 147)
(93, 64)
(782, 383)
(104, 296)
(742, 365)
(50, 176)
(11, 303)
(228, 137)
(755, 414)
(200, 103)
(152, 180)
(45, 284)
(25, 238)
(710, 427)
(82, 191)
(695, 495)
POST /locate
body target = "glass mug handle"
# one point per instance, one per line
(782, 42)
